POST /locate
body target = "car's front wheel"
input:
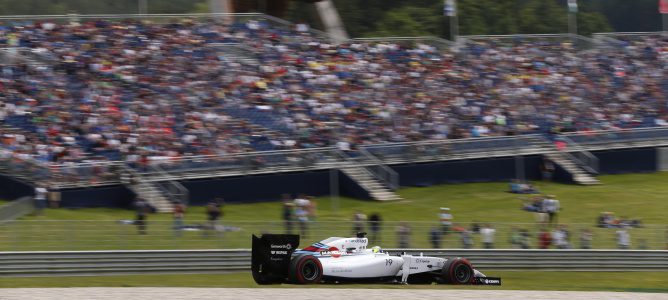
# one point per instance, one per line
(457, 271)
(305, 269)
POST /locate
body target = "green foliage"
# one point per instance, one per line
(405, 17)
(409, 21)
(425, 17)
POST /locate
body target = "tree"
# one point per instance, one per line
(420, 17)
(409, 21)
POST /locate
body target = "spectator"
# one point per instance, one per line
(544, 239)
(312, 208)
(178, 214)
(536, 205)
(467, 239)
(435, 238)
(623, 239)
(585, 239)
(559, 238)
(375, 224)
(403, 235)
(475, 227)
(487, 235)
(446, 220)
(547, 169)
(606, 220)
(551, 207)
(287, 215)
(358, 222)
(54, 197)
(524, 239)
(143, 60)
(40, 198)
(301, 214)
(519, 187)
(515, 238)
(142, 209)
(213, 213)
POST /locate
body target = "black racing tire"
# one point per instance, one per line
(262, 279)
(457, 271)
(305, 269)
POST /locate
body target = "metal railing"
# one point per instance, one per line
(581, 156)
(617, 35)
(76, 174)
(578, 41)
(94, 263)
(197, 233)
(629, 137)
(244, 163)
(437, 150)
(436, 42)
(16, 209)
(174, 190)
(380, 170)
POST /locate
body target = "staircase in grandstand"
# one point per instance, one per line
(568, 163)
(366, 180)
(379, 180)
(149, 191)
(578, 146)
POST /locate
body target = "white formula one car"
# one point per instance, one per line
(275, 259)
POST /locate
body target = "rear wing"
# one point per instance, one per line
(270, 258)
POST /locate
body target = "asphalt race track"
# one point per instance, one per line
(300, 293)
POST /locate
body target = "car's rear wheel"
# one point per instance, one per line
(262, 279)
(457, 271)
(305, 269)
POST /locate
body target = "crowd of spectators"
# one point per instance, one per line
(137, 91)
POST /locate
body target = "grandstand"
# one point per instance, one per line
(200, 105)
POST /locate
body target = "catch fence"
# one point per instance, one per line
(197, 233)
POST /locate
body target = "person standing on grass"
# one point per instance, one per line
(287, 215)
(403, 235)
(374, 227)
(467, 239)
(358, 222)
(524, 239)
(559, 238)
(435, 238)
(446, 220)
(178, 214)
(142, 209)
(544, 239)
(40, 198)
(585, 239)
(213, 213)
(487, 233)
(301, 214)
(623, 239)
(312, 208)
(551, 207)
(515, 238)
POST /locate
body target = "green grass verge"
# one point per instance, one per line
(512, 280)
(641, 196)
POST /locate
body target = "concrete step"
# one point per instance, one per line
(376, 189)
(580, 176)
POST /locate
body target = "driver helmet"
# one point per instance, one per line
(376, 249)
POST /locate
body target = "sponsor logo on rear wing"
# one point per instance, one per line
(487, 281)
